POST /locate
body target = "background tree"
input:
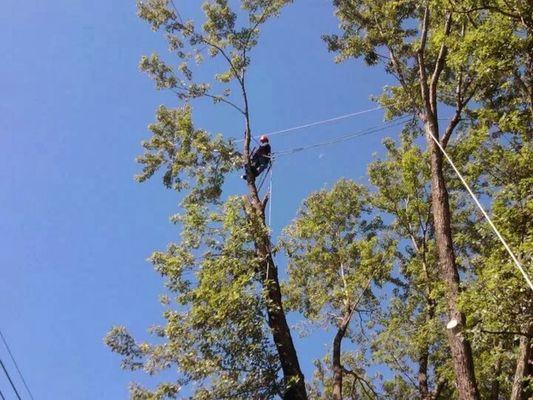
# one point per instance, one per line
(335, 259)
(411, 340)
(455, 55)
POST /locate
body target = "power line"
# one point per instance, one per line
(9, 379)
(2, 395)
(478, 204)
(16, 365)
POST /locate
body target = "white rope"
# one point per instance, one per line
(317, 123)
(363, 132)
(513, 257)
(270, 196)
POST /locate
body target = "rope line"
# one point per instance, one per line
(260, 186)
(316, 123)
(9, 379)
(478, 204)
(270, 197)
(16, 365)
(344, 138)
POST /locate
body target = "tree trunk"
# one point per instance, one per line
(277, 321)
(336, 360)
(524, 367)
(423, 376)
(282, 336)
(460, 347)
(495, 384)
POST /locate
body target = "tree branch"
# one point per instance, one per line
(439, 66)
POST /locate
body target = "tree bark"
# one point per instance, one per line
(423, 387)
(460, 346)
(277, 321)
(495, 384)
(336, 360)
(524, 367)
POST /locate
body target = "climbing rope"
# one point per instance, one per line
(263, 179)
(364, 132)
(316, 123)
(478, 204)
(270, 195)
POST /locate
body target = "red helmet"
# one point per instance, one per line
(263, 139)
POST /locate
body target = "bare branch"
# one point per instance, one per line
(439, 66)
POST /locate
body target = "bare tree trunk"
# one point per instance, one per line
(423, 387)
(524, 367)
(495, 384)
(460, 346)
(277, 321)
(336, 360)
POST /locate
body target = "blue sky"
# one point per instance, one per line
(76, 229)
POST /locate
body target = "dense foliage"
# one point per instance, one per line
(382, 269)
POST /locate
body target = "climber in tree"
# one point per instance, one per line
(260, 157)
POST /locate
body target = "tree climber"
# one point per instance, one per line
(260, 157)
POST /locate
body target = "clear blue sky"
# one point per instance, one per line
(76, 229)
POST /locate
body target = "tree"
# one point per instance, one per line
(335, 257)
(411, 334)
(225, 248)
(456, 54)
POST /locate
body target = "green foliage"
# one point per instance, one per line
(333, 252)
(215, 330)
(215, 333)
(224, 33)
(350, 250)
(410, 329)
(192, 158)
(337, 260)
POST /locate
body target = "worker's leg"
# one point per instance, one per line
(253, 171)
(261, 167)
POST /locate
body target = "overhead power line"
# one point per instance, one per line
(2, 396)
(16, 365)
(10, 380)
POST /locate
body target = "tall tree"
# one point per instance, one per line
(197, 163)
(449, 59)
(411, 340)
(335, 259)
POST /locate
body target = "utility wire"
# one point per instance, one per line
(16, 365)
(2, 395)
(478, 204)
(9, 379)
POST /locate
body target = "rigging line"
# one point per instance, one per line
(344, 138)
(16, 365)
(9, 379)
(317, 123)
(270, 197)
(478, 204)
(264, 177)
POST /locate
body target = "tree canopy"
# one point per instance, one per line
(423, 300)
